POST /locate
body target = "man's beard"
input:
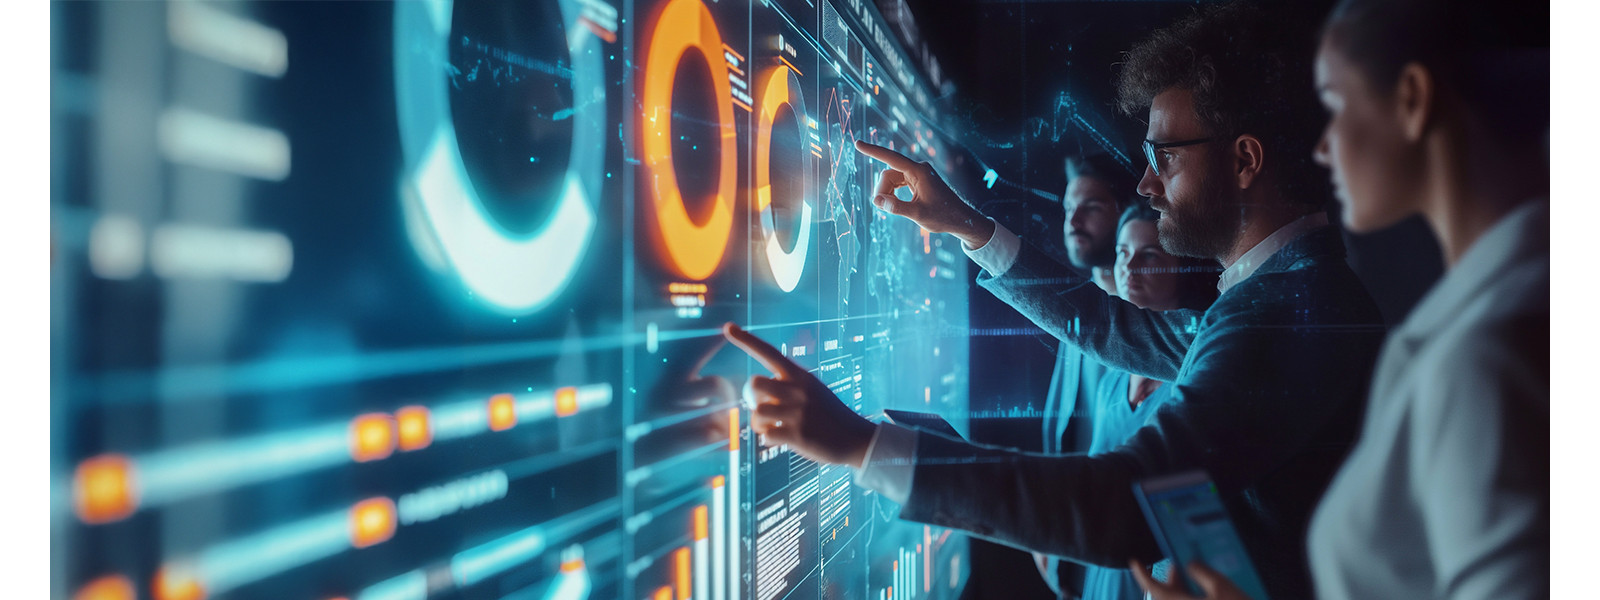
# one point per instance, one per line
(1205, 226)
(1097, 255)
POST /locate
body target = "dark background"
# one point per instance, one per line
(1014, 72)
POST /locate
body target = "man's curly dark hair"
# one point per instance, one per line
(1250, 72)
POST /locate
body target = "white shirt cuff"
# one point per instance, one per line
(998, 254)
(890, 462)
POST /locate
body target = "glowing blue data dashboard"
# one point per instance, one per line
(421, 300)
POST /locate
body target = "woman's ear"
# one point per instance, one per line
(1248, 160)
(1414, 94)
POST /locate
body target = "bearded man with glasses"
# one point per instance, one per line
(1269, 383)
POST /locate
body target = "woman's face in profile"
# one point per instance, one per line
(1146, 275)
(1374, 170)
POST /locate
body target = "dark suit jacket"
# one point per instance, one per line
(1270, 384)
(1068, 427)
(1066, 407)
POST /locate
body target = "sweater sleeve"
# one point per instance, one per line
(1107, 329)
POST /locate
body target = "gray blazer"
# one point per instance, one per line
(1068, 427)
(1269, 386)
(1448, 493)
(1075, 380)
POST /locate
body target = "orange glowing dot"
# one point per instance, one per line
(566, 402)
(700, 523)
(718, 481)
(416, 429)
(371, 437)
(371, 522)
(177, 583)
(105, 489)
(110, 587)
(663, 593)
(573, 565)
(502, 412)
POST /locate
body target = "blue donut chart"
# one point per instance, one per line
(513, 274)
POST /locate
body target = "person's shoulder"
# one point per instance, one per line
(1504, 327)
(1502, 305)
(1311, 274)
(1490, 371)
(1314, 289)
(1490, 358)
(1312, 284)
(1519, 290)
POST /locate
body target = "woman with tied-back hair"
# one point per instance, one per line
(1441, 108)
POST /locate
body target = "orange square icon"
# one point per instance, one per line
(502, 412)
(566, 402)
(371, 437)
(104, 489)
(177, 583)
(416, 427)
(372, 521)
(110, 587)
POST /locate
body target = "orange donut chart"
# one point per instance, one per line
(773, 94)
(780, 87)
(695, 251)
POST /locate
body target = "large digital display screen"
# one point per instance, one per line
(422, 300)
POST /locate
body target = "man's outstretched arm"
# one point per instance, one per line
(1259, 401)
(1076, 311)
(1056, 298)
(1070, 505)
(1065, 505)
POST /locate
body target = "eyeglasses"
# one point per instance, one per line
(1150, 148)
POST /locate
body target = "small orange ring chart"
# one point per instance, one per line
(773, 94)
(778, 88)
(693, 250)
